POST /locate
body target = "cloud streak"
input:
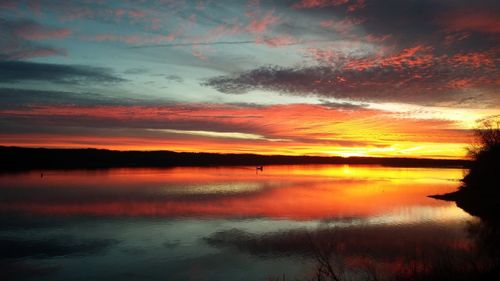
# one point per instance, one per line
(194, 44)
(17, 71)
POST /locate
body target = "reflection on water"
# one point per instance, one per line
(221, 223)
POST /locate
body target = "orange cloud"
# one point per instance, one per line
(259, 25)
(297, 129)
(476, 59)
(414, 56)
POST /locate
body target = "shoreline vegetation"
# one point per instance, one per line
(19, 158)
(479, 195)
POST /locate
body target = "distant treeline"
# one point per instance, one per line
(17, 158)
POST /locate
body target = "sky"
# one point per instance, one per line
(344, 78)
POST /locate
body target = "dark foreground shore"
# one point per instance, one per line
(479, 194)
(485, 205)
(17, 158)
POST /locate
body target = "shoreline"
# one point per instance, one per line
(18, 159)
(479, 204)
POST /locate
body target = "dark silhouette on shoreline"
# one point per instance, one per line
(480, 196)
(480, 193)
(17, 158)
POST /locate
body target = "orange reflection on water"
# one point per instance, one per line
(283, 192)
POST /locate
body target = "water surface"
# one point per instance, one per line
(228, 223)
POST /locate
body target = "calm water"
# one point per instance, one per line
(223, 223)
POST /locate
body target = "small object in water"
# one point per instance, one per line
(261, 168)
(41, 175)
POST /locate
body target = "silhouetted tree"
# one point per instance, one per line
(483, 173)
(480, 193)
(487, 138)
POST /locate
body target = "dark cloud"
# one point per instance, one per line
(13, 98)
(158, 118)
(418, 78)
(15, 248)
(20, 39)
(342, 105)
(136, 70)
(17, 71)
(18, 98)
(175, 78)
(425, 21)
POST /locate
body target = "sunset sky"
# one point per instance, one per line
(297, 77)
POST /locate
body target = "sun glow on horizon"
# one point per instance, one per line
(293, 129)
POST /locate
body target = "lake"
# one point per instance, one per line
(226, 223)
